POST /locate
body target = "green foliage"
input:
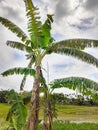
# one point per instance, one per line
(40, 34)
(3, 98)
(64, 125)
(25, 71)
(80, 44)
(46, 28)
(60, 98)
(25, 76)
(83, 85)
(19, 46)
(14, 28)
(34, 24)
(43, 82)
(75, 53)
(17, 113)
(49, 103)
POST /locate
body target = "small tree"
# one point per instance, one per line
(17, 114)
(84, 86)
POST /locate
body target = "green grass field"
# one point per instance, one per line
(70, 117)
(3, 112)
(61, 125)
(78, 113)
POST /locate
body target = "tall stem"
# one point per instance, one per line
(50, 116)
(45, 123)
(34, 108)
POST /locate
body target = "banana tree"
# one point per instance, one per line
(38, 44)
(85, 86)
(49, 110)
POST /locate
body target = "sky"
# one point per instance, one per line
(72, 19)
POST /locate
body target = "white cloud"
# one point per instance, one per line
(72, 18)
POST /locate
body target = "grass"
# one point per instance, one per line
(3, 112)
(70, 117)
(78, 113)
(61, 125)
(74, 126)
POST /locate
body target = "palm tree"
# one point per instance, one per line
(38, 44)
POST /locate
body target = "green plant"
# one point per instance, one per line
(49, 109)
(38, 44)
(17, 114)
(82, 85)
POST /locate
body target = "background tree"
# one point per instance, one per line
(84, 86)
(38, 44)
(3, 96)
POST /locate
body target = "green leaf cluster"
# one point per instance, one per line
(39, 33)
(14, 28)
(22, 71)
(17, 114)
(83, 85)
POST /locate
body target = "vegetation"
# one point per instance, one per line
(3, 98)
(73, 126)
(17, 113)
(3, 112)
(66, 114)
(38, 44)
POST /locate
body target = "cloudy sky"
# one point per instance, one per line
(72, 19)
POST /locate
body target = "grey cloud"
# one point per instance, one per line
(80, 27)
(85, 24)
(12, 13)
(91, 4)
(87, 20)
(62, 8)
(1, 1)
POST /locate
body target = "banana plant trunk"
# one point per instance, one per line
(45, 123)
(48, 124)
(50, 116)
(34, 108)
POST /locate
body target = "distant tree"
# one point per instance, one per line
(3, 96)
(60, 98)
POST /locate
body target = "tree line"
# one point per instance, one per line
(59, 98)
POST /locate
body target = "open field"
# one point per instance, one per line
(78, 113)
(70, 117)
